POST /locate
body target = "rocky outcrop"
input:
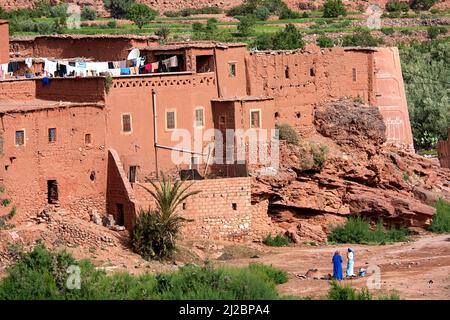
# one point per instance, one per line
(361, 176)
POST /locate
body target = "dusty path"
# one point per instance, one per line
(416, 270)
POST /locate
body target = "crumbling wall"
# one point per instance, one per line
(97, 48)
(222, 210)
(78, 169)
(443, 148)
(14, 90)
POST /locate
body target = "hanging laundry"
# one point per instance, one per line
(81, 64)
(155, 66)
(50, 67)
(125, 71)
(173, 62)
(115, 72)
(148, 67)
(61, 70)
(13, 66)
(29, 62)
(45, 81)
(3, 70)
(72, 63)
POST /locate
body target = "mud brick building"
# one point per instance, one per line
(88, 143)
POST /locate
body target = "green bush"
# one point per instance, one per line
(441, 220)
(163, 33)
(111, 24)
(280, 240)
(286, 13)
(357, 230)
(42, 274)
(286, 132)
(275, 275)
(140, 14)
(246, 25)
(88, 13)
(334, 9)
(397, 6)
(288, 39)
(118, 8)
(361, 38)
(5, 218)
(422, 4)
(5, 202)
(346, 292)
(388, 31)
(59, 11)
(434, 31)
(262, 13)
(320, 155)
(325, 42)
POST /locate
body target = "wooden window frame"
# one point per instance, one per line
(122, 123)
(174, 120)
(260, 118)
(24, 138)
(203, 117)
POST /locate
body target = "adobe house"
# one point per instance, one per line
(88, 143)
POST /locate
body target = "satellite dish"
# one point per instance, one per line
(134, 54)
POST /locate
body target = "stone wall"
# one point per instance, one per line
(4, 35)
(222, 210)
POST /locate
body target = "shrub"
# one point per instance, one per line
(320, 155)
(279, 240)
(141, 14)
(59, 11)
(434, 31)
(287, 13)
(334, 9)
(397, 6)
(118, 8)
(155, 231)
(163, 32)
(112, 24)
(357, 230)
(388, 31)
(246, 25)
(406, 32)
(288, 39)
(275, 275)
(441, 220)
(286, 132)
(361, 38)
(345, 292)
(325, 42)
(88, 13)
(263, 41)
(422, 4)
(4, 219)
(262, 13)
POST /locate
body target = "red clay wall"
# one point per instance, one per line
(98, 48)
(90, 89)
(222, 210)
(119, 191)
(443, 148)
(4, 39)
(26, 169)
(17, 90)
(180, 93)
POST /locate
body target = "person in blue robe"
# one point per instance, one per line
(337, 266)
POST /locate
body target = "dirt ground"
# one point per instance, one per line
(415, 270)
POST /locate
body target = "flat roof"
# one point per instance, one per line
(193, 44)
(85, 36)
(243, 98)
(7, 107)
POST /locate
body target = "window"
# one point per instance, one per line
(232, 69)
(126, 122)
(87, 139)
(132, 174)
(52, 191)
(52, 135)
(170, 120)
(204, 63)
(255, 118)
(194, 163)
(222, 120)
(312, 72)
(120, 214)
(20, 137)
(286, 72)
(199, 122)
(354, 74)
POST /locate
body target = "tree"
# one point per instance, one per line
(88, 13)
(262, 13)
(288, 39)
(141, 14)
(155, 231)
(163, 33)
(422, 4)
(246, 25)
(118, 8)
(334, 9)
(325, 42)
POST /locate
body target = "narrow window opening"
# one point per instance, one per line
(52, 191)
(132, 174)
(234, 206)
(52, 135)
(312, 72)
(354, 74)
(87, 139)
(298, 115)
(184, 206)
(255, 119)
(126, 123)
(120, 214)
(286, 72)
(92, 176)
(170, 120)
(199, 119)
(20, 137)
(232, 69)
(277, 115)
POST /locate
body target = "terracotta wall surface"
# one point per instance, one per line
(390, 97)
(222, 210)
(443, 148)
(4, 36)
(181, 93)
(90, 89)
(119, 191)
(79, 169)
(97, 48)
(17, 90)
